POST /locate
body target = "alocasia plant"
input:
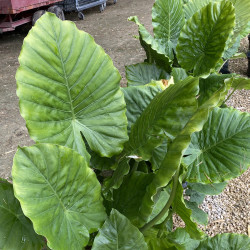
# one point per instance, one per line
(108, 166)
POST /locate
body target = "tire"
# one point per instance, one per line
(36, 16)
(81, 15)
(58, 11)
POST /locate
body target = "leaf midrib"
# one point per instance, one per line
(63, 68)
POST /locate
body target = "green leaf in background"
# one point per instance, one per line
(211, 84)
(181, 239)
(198, 215)
(186, 214)
(137, 99)
(221, 151)
(207, 189)
(225, 241)
(179, 74)
(240, 83)
(195, 5)
(16, 230)
(66, 86)
(167, 20)
(242, 15)
(155, 51)
(195, 196)
(117, 233)
(143, 73)
(128, 198)
(203, 38)
(229, 52)
(59, 193)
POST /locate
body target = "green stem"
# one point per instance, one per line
(134, 168)
(166, 207)
(231, 93)
(229, 96)
(162, 225)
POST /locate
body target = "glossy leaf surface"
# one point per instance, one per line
(59, 193)
(137, 99)
(167, 20)
(177, 148)
(16, 230)
(221, 151)
(155, 51)
(211, 84)
(66, 86)
(128, 198)
(118, 233)
(203, 38)
(143, 73)
(241, 83)
(225, 242)
(168, 111)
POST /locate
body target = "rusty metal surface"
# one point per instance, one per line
(17, 6)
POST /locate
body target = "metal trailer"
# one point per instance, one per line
(80, 5)
(14, 13)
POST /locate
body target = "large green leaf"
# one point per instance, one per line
(203, 38)
(242, 15)
(167, 20)
(137, 99)
(241, 83)
(155, 51)
(128, 198)
(118, 233)
(143, 73)
(59, 193)
(177, 148)
(67, 85)
(169, 111)
(221, 151)
(16, 230)
(226, 242)
(165, 116)
(194, 6)
(210, 85)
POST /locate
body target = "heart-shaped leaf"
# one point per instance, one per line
(118, 233)
(167, 20)
(59, 193)
(68, 86)
(16, 230)
(203, 38)
(221, 150)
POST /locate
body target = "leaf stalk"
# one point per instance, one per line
(166, 207)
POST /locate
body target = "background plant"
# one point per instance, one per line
(142, 142)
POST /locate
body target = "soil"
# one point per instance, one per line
(115, 34)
